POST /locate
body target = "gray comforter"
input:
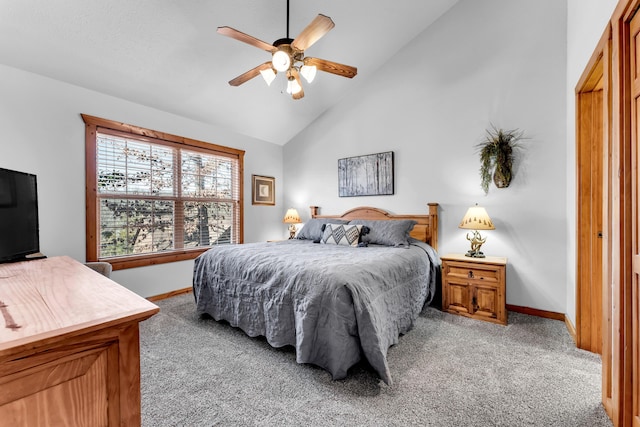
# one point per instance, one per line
(332, 303)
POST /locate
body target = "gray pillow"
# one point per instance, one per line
(387, 232)
(312, 229)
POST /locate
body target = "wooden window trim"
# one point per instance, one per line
(92, 126)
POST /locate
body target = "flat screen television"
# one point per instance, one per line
(19, 230)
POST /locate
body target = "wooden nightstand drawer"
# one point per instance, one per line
(475, 287)
(466, 271)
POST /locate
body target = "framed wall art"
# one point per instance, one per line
(370, 175)
(263, 190)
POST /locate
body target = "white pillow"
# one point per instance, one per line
(341, 234)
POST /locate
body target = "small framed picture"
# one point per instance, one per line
(263, 190)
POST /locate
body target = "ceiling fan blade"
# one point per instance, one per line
(246, 38)
(320, 26)
(332, 67)
(296, 76)
(242, 78)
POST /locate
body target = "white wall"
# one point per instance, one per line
(587, 20)
(43, 133)
(483, 62)
(491, 61)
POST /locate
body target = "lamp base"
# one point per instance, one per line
(292, 231)
(475, 254)
(476, 243)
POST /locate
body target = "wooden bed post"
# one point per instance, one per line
(433, 214)
(314, 211)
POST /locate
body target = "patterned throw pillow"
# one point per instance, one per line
(341, 234)
(312, 229)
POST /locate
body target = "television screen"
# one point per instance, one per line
(19, 232)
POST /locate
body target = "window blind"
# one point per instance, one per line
(155, 196)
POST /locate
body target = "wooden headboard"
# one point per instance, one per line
(425, 230)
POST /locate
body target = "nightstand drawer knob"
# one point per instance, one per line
(470, 274)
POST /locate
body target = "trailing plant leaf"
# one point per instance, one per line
(497, 154)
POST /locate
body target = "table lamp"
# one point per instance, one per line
(292, 217)
(476, 219)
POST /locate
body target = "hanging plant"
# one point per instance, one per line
(496, 156)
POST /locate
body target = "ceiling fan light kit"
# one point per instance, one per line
(287, 56)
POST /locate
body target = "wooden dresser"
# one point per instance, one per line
(69, 346)
(475, 287)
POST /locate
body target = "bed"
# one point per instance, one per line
(334, 302)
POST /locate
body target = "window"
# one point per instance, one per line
(154, 198)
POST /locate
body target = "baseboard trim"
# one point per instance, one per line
(571, 329)
(536, 312)
(546, 314)
(170, 294)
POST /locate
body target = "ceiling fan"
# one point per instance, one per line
(288, 56)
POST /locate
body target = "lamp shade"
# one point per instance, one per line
(476, 218)
(268, 75)
(292, 217)
(293, 86)
(308, 72)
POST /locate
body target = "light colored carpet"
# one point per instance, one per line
(447, 371)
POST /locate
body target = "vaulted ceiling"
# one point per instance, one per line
(166, 54)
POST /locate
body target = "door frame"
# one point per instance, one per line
(592, 109)
(622, 213)
(620, 348)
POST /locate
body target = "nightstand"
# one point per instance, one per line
(475, 287)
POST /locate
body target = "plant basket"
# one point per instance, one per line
(496, 157)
